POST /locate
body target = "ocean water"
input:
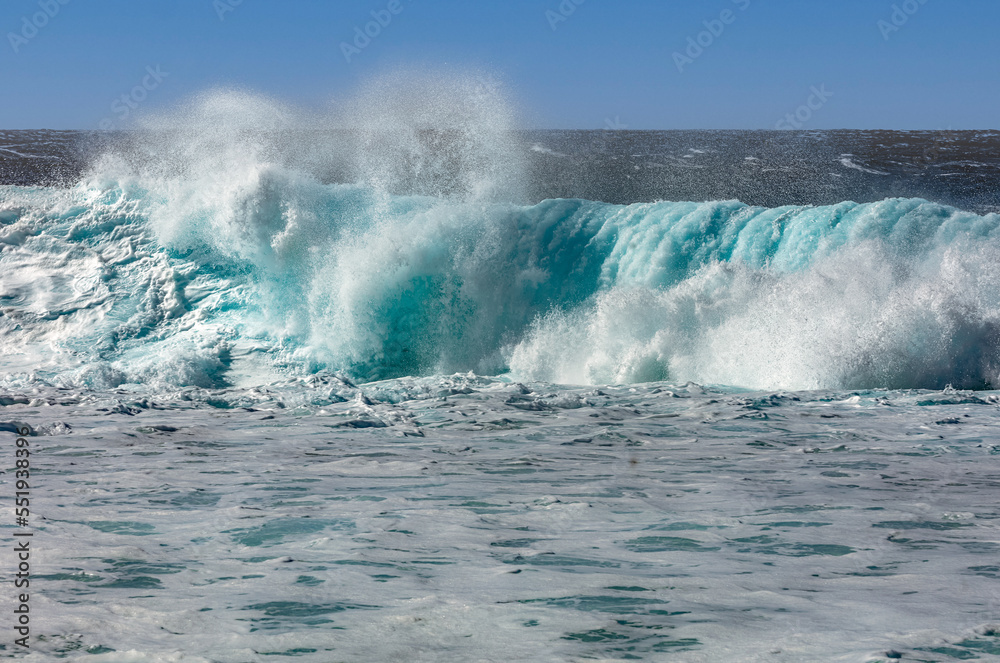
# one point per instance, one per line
(402, 382)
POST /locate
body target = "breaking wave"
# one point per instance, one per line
(237, 241)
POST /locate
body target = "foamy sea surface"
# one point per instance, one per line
(470, 519)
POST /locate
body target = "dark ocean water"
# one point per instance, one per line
(765, 168)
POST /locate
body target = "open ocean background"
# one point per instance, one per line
(425, 387)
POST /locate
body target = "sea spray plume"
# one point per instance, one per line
(213, 158)
(233, 180)
(450, 135)
(220, 179)
(199, 163)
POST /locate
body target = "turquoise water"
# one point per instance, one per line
(275, 276)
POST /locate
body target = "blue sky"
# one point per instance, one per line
(928, 65)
